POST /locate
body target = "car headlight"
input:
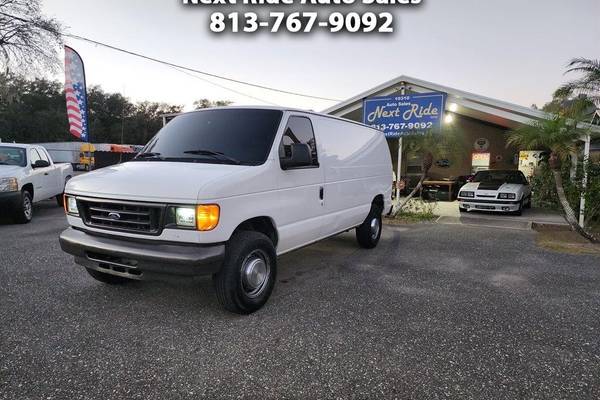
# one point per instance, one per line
(467, 194)
(507, 196)
(70, 203)
(9, 185)
(204, 217)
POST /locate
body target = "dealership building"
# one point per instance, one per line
(481, 122)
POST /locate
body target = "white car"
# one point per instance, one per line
(496, 190)
(225, 191)
(28, 175)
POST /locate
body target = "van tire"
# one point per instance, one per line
(107, 278)
(247, 276)
(24, 210)
(369, 232)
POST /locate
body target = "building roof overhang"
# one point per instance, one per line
(472, 105)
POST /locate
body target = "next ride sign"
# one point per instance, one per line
(397, 116)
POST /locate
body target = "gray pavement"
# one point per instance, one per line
(436, 311)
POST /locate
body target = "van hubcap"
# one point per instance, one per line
(375, 228)
(255, 273)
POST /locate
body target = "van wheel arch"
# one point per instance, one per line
(378, 202)
(264, 225)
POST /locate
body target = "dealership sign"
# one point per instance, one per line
(400, 115)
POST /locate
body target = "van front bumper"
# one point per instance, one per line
(141, 259)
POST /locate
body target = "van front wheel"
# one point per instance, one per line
(369, 232)
(247, 276)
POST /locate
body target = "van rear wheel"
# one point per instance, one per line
(247, 276)
(369, 232)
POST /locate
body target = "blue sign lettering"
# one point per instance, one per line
(400, 115)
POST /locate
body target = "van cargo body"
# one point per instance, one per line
(225, 191)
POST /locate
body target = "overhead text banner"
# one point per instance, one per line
(400, 115)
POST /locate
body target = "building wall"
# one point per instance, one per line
(468, 130)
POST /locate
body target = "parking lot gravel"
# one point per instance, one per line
(436, 311)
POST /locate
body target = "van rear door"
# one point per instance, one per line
(300, 189)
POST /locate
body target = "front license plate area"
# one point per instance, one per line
(479, 207)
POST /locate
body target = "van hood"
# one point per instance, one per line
(159, 181)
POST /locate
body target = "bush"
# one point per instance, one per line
(544, 189)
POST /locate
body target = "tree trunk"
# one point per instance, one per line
(426, 166)
(569, 213)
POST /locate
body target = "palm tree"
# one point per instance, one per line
(559, 136)
(429, 146)
(588, 84)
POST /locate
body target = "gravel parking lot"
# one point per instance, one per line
(436, 311)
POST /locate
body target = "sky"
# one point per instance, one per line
(512, 50)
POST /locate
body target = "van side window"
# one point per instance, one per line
(299, 130)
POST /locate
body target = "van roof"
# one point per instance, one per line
(284, 109)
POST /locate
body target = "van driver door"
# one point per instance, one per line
(300, 189)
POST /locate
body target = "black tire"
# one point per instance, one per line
(107, 278)
(528, 204)
(519, 212)
(24, 211)
(369, 232)
(462, 210)
(247, 276)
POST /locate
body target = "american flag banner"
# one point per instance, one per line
(76, 94)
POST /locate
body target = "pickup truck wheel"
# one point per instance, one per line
(107, 278)
(369, 232)
(247, 276)
(24, 211)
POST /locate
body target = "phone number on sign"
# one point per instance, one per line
(302, 22)
(403, 125)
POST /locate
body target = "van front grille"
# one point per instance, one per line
(121, 215)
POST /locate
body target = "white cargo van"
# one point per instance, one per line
(225, 191)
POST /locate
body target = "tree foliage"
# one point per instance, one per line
(588, 83)
(206, 103)
(28, 40)
(34, 111)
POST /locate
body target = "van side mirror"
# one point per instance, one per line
(300, 157)
(40, 164)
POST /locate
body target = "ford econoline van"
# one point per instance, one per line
(224, 191)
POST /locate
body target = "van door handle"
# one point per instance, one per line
(321, 192)
(45, 173)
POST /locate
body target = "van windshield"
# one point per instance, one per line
(223, 136)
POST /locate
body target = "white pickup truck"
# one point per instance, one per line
(28, 175)
(224, 192)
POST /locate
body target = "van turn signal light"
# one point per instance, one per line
(207, 217)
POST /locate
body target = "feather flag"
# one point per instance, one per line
(76, 94)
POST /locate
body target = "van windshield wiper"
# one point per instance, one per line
(215, 154)
(148, 155)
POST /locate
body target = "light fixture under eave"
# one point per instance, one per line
(449, 118)
(453, 107)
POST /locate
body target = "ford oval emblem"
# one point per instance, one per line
(114, 215)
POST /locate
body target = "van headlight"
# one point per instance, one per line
(203, 217)
(507, 196)
(70, 203)
(9, 185)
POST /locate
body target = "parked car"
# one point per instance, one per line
(496, 190)
(224, 192)
(28, 175)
